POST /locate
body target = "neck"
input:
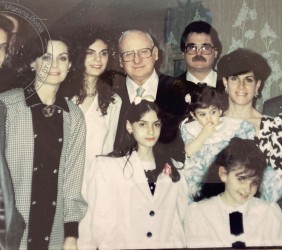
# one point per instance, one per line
(145, 153)
(200, 75)
(239, 111)
(90, 84)
(47, 93)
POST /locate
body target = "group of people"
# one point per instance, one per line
(100, 159)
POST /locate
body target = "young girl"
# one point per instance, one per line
(205, 137)
(232, 216)
(45, 146)
(137, 197)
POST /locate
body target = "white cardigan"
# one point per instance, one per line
(122, 212)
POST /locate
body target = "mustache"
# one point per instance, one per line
(198, 58)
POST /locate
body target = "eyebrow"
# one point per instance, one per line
(148, 121)
(49, 54)
(95, 50)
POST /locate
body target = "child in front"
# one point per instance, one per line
(137, 196)
(231, 216)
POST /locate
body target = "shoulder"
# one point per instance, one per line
(182, 76)
(12, 96)
(74, 110)
(273, 101)
(273, 106)
(261, 208)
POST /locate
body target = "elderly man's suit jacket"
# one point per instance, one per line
(273, 107)
(13, 220)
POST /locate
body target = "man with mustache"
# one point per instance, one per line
(201, 48)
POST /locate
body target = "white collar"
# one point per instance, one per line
(210, 79)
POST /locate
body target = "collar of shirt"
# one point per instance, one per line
(150, 86)
(210, 79)
(32, 99)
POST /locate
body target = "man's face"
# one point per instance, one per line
(138, 69)
(199, 62)
(3, 46)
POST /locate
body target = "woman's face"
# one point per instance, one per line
(241, 89)
(52, 68)
(97, 56)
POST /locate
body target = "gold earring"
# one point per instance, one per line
(256, 94)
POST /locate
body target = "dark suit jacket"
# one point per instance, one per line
(13, 220)
(171, 101)
(273, 107)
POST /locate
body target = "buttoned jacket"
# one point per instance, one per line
(70, 206)
(122, 212)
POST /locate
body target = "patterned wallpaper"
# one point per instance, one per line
(253, 24)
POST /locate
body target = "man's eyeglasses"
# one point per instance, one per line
(192, 48)
(129, 56)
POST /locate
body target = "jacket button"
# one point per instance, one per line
(149, 234)
(152, 213)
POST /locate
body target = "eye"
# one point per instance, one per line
(104, 53)
(128, 54)
(249, 80)
(90, 52)
(241, 179)
(64, 58)
(214, 112)
(255, 182)
(141, 124)
(233, 78)
(158, 124)
(46, 58)
(201, 114)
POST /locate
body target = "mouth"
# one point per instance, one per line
(244, 196)
(54, 73)
(150, 139)
(241, 94)
(95, 66)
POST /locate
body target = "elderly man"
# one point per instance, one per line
(201, 47)
(138, 55)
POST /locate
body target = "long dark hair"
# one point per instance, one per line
(104, 85)
(134, 114)
(240, 153)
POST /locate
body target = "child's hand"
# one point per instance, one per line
(208, 130)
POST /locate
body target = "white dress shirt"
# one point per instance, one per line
(210, 79)
(150, 86)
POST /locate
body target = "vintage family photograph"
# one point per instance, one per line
(140, 124)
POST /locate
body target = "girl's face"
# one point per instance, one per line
(239, 187)
(207, 115)
(52, 68)
(97, 57)
(146, 131)
(241, 88)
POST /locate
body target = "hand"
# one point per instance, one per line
(70, 244)
(208, 130)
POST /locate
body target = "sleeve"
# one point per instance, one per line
(246, 131)
(186, 136)
(74, 205)
(112, 123)
(272, 235)
(102, 199)
(271, 186)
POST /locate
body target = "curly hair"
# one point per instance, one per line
(104, 85)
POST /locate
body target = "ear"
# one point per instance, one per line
(215, 54)
(120, 62)
(222, 174)
(128, 127)
(32, 66)
(156, 53)
(193, 116)
(224, 81)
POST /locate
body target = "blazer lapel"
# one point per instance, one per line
(139, 176)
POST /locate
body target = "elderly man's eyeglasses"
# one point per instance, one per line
(144, 53)
(192, 48)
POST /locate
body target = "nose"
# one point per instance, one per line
(54, 63)
(97, 57)
(247, 187)
(150, 130)
(199, 51)
(137, 58)
(241, 83)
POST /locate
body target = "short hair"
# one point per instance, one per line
(205, 97)
(201, 27)
(241, 61)
(124, 34)
(7, 25)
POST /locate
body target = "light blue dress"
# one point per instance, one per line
(196, 166)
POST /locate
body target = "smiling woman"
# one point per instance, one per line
(45, 149)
